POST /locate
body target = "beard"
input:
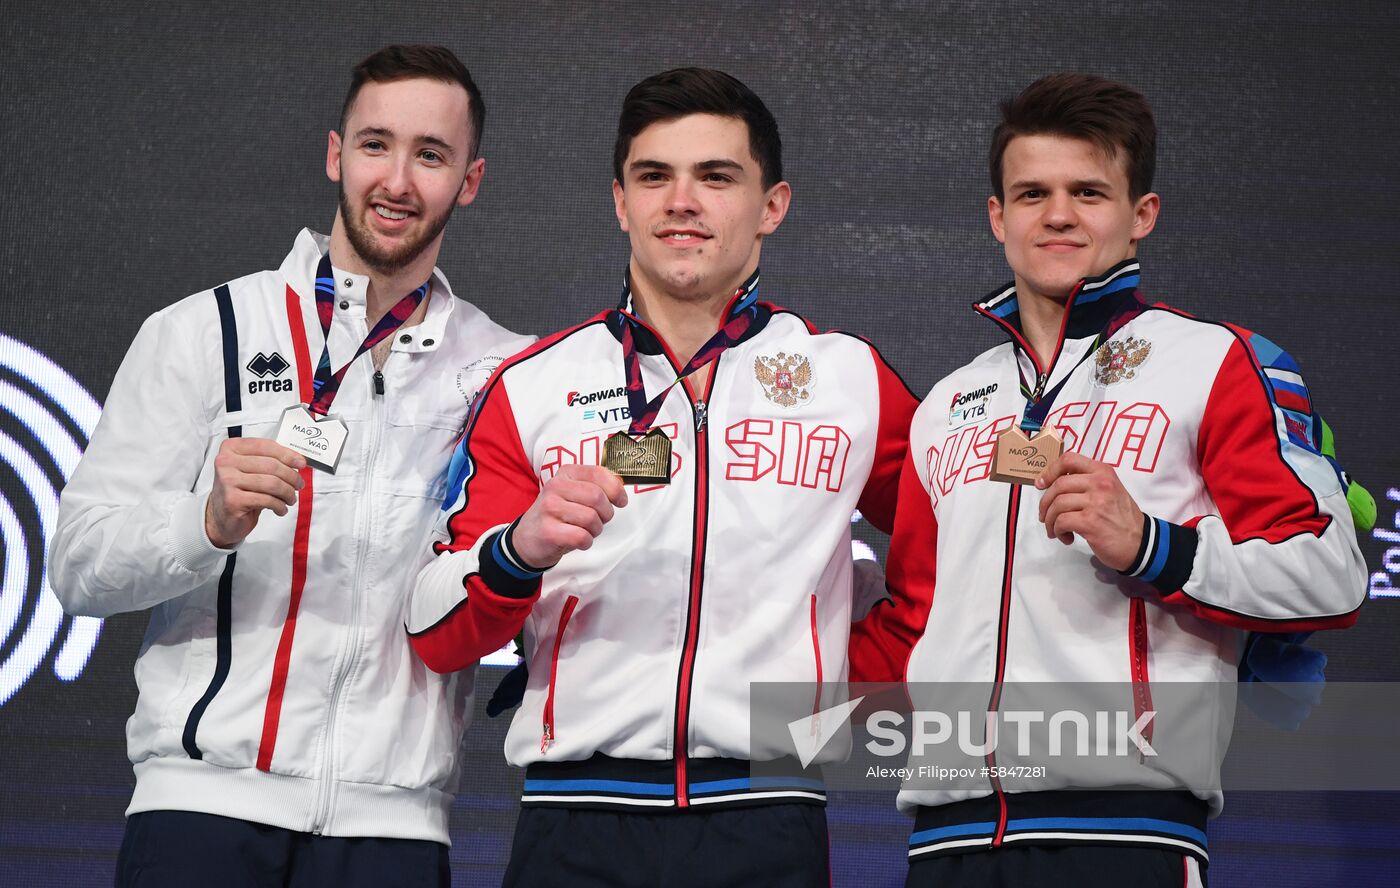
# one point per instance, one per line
(388, 260)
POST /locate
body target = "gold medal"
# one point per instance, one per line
(643, 462)
(1020, 459)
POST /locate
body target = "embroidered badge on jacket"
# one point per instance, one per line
(472, 377)
(1117, 361)
(785, 379)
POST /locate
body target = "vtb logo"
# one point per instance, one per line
(264, 366)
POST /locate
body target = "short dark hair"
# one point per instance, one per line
(681, 92)
(1114, 117)
(407, 61)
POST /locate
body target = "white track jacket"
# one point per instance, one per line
(641, 649)
(1211, 430)
(276, 682)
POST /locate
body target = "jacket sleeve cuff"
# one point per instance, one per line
(188, 543)
(502, 569)
(1166, 555)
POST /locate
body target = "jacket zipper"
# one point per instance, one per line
(697, 577)
(699, 409)
(1137, 646)
(547, 736)
(1039, 389)
(992, 705)
(1043, 372)
(364, 520)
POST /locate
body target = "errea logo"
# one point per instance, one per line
(263, 366)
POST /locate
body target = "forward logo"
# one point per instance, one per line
(578, 399)
(970, 407)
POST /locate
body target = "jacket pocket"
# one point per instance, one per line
(547, 736)
(1138, 650)
(192, 637)
(817, 657)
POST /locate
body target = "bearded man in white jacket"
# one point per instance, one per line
(285, 734)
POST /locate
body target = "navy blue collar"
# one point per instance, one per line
(1093, 304)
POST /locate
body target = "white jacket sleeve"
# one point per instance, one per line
(130, 530)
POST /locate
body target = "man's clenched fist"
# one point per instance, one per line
(570, 511)
(1084, 496)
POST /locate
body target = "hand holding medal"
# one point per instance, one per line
(1084, 496)
(250, 475)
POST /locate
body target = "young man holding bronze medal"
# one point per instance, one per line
(1116, 495)
(264, 478)
(661, 497)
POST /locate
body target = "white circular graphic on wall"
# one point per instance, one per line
(46, 418)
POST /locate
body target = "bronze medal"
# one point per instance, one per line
(643, 462)
(1020, 458)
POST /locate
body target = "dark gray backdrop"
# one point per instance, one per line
(155, 151)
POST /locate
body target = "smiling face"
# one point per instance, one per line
(694, 207)
(403, 165)
(1067, 214)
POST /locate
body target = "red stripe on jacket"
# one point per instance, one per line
(272, 713)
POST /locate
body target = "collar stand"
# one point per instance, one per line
(1091, 304)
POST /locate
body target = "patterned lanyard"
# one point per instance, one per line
(1038, 410)
(644, 412)
(326, 384)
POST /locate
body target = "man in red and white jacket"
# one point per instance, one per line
(1192, 504)
(649, 610)
(285, 733)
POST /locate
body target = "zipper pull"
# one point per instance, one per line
(1040, 386)
(701, 411)
(379, 382)
(546, 739)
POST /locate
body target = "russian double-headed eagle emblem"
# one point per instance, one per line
(1117, 361)
(785, 378)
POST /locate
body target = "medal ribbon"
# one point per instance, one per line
(1037, 411)
(326, 384)
(644, 412)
